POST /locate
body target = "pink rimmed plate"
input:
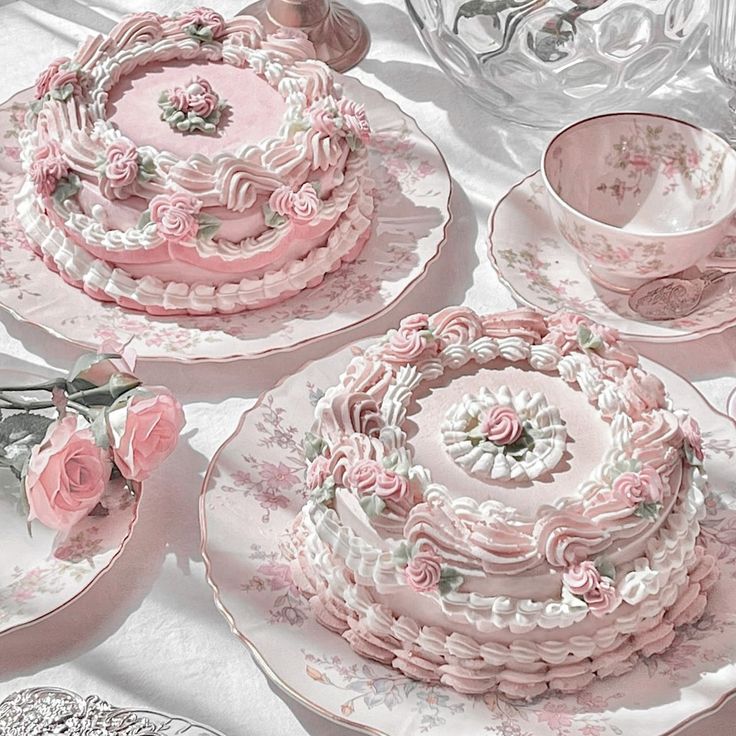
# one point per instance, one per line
(535, 262)
(253, 490)
(39, 575)
(411, 218)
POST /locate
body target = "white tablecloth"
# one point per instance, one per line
(148, 633)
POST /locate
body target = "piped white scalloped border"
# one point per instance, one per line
(484, 458)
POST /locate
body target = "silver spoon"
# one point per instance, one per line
(673, 297)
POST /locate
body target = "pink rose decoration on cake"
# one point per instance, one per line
(299, 205)
(456, 326)
(204, 18)
(501, 425)
(48, 168)
(66, 477)
(175, 216)
(318, 472)
(410, 341)
(197, 97)
(369, 476)
(67, 76)
(582, 578)
(563, 330)
(144, 430)
(424, 570)
(644, 486)
(46, 77)
(121, 162)
(354, 120)
(604, 598)
(641, 392)
(691, 431)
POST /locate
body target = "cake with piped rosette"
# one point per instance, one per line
(502, 502)
(190, 164)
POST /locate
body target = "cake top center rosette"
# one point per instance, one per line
(194, 164)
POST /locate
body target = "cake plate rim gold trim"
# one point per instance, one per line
(255, 653)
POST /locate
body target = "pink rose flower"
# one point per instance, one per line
(43, 83)
(300, 206)
(641, 392)
(48, 168)
(67, 475)
(197, 97)
(634, 488)
(563, 330)
(501, 424)
(121, 162)
(318, 472)
(603, 598)
(144, 430)
(582, 578)
(369, 476)
(424, 571)
(204, 18)
(410, 341)
(175, 215)
(67, 76)
(456, 326)
(354, 119)
(691, 431)
(323, 116)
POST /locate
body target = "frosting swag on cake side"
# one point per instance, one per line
(503, 502)
(193, 164)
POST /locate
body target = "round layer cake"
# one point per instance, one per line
(192, 164)
(502, 502)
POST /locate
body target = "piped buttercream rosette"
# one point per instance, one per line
(503, 435)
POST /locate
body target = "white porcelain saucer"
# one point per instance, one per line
(543, 272)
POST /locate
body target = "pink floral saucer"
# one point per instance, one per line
(412, 215)
(253, 490)
(543, 271)
(40, 575)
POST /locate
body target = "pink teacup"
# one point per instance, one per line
(640, 196)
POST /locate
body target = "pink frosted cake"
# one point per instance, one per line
(502, 502)
(193, 165)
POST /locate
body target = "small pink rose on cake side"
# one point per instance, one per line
(121, 163)
(48, 75)
(298, 205)
(144, 430)
(633, 488)
(48, 168)
(176, 216)
(369, 476)
(585, 581)
(203, 23)
(410, 341)
(67, 475)
(424, 571)
(197, 97)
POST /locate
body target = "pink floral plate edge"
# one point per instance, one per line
(663, 338)
(441, 238)
(261, 660)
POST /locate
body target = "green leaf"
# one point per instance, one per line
(272, 219)
(313, 446)
(208, 226)
(450, 580)
(605, 567)
(373, 505)
(144, 219)
(67, 188)
(521, 447)
(402, 553)
(587, 340)
(99, 430)
(62, 93)
(325, 493)
(35, 106)
(203, 34)
(19, 434)
(147, 170)
(648, 511)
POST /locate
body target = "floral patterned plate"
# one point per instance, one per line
(254, 489)
(413, 192)
(40, 574)
(542, 271)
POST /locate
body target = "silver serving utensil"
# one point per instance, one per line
(673, 297)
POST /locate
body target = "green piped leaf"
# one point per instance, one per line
(373, 505)
(62, 93)
(521, 447)
(146, 168)
(208, 227)
(450, 580)
(649, 511)
(144, 219)
(587, 340)
(272, 218)
(67, 188)
(313, 446)
(605, 567)
(402, 553)
(325, 493)
(203, 34)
